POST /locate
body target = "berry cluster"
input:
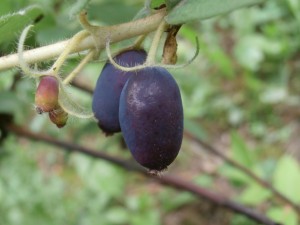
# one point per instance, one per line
(134, 94)
(145, 105)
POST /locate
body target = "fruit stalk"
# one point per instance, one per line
(115, 33)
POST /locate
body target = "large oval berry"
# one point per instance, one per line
(151, 117)
(108, 89)
(46, 96)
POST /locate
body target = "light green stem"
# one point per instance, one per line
(116, 33)
(76, 39)
(155, 43)
(79, 67)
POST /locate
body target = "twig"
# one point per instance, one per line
(169, 180)
(245, 170)
(116, 33)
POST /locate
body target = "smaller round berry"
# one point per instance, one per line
(59, 117)
(46, 96)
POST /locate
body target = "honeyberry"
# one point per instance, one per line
(151, 117)
(107, 92)
(46, 96)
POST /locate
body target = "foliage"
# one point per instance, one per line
(185, 11)
(240, 94)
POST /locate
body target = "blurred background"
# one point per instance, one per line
(240, 95)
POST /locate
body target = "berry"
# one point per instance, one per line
(108, 89)
(46, 96)
(59, 117)
(151, 117)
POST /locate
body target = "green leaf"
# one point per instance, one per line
(287, 178)
(117, 215)
(12, 24)
(78, 7)
(156, 3)
(248, 51)
(235, 176)
(145, 11)
(283, 215)
(188, 10)
(9, 103)
(204, 180)
(254, 195)
(172, 3)
(109, 11)
(295, 8)
(172, 201)
(241, 152)
(194, 128)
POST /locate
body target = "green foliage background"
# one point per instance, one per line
(241, 94)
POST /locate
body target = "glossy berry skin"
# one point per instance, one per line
(151, 117)
(46, 96)
(106, 95)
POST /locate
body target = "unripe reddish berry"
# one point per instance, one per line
(46, 96)
(59, 117)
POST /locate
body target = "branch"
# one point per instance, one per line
(169, 180)
(246, 171)
(114, 33)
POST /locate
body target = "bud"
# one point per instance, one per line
(46, 96)
(59, 117)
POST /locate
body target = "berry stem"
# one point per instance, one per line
(20, 56)
(155, 42)
(76, 39)
(79, 67)
(116, 33)
(115, 64)
(85, 23)
(147, 63)
(89, 27)
(138, 42)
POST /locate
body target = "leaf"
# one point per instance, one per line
(283, 215)
(204, 180)
(287, 178)
(241, 152)
(248, 51)
(145, 11)
(109, 11)
(12, 24)
(188, 10)
(235, 176)
(254, 195)
(117, 215)
(295, 8)
(172, 201)
(194, 128)
(9, 103)
(78, 7)
(156, 3)
(172, 3)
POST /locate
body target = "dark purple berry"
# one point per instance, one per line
(151, 117)
(108, 89)
(46, 96)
